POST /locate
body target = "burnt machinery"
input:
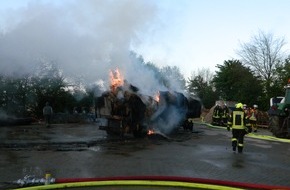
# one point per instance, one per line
(124, 110)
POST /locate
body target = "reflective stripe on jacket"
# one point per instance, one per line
(238, 120)
(253, 115)
(216, 112)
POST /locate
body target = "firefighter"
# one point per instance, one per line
(216, 117)
(224, 115)
(253, 117)
(245, 108)
(237, 122)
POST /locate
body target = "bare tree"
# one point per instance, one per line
(172, 77)
(205, 73)
(263, 53)
(200, 85)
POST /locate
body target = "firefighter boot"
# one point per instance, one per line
(234, 148)
(240, 149)
(234, 145)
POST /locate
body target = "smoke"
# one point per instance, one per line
(169, 123)
(172, 111)
(85, 38)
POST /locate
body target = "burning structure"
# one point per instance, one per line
(123, 109)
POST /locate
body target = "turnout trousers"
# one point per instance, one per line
(238, 139)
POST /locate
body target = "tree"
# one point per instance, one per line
(282, 75)
(16, 95)
(49, 85)
(206, 74)
(200, 85)
(172, 78)
(235, 82)
(156, 71)
(168, 76)
(263, 54)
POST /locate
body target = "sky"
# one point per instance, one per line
(203, 33)
(88, 37)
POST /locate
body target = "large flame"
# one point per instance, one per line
(116, 79)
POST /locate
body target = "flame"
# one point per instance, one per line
(116, 79)
(150, 132)
(157, 97)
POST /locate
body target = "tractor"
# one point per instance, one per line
(279, 118)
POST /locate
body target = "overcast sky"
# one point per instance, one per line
(204, 33)
(190, 34)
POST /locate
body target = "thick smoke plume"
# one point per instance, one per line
(84, 38)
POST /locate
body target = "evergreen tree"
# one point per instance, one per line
(235, 82)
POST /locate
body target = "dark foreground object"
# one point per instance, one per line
(16, 121)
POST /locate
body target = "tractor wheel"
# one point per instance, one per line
(274, 125)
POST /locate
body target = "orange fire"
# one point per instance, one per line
(150, 132)
(116, 79)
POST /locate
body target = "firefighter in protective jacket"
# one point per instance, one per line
(216, 117)
(224, 115)
(238, 122)
(253, 117)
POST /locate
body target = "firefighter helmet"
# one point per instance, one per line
(239, 105)
(245, 106)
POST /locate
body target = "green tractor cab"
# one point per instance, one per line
(279, 119)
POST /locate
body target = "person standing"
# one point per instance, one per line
(47, 114)
(253, 117)
(246, 109)
(237, 122)
(224, 115)
(216, 117)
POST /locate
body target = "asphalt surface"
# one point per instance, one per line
(84, 151)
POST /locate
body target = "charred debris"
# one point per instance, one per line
(124, 110)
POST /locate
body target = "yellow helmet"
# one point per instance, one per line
(239, 105)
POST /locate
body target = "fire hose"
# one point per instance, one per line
(252, 135)
(31, 183)
(153, 181)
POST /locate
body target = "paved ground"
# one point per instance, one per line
(73, 150)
